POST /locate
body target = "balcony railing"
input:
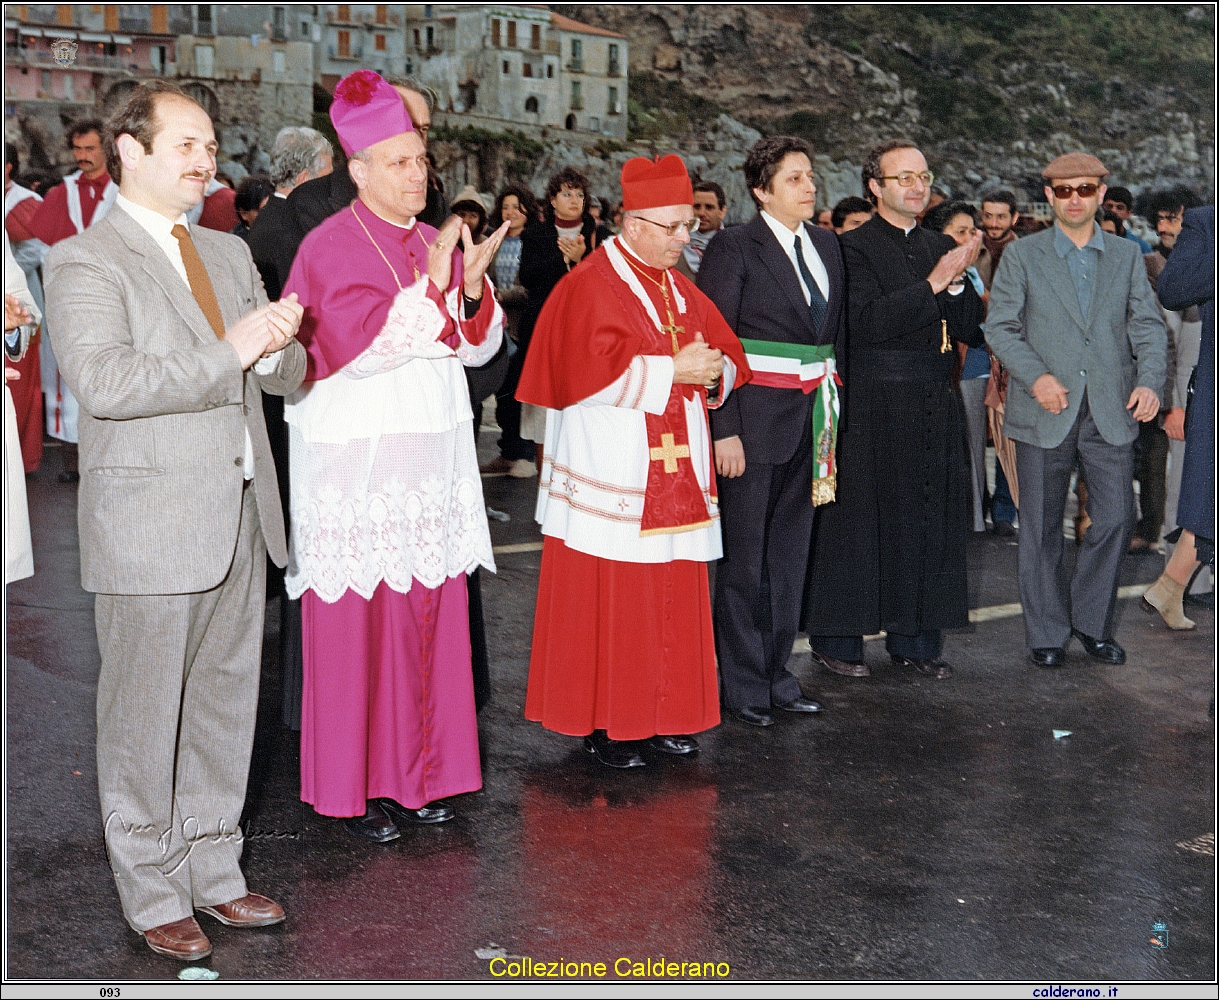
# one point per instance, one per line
(614, 69)
(575, 65)
(89, 60)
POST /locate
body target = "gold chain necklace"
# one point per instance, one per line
(670, 328)
(352, 206)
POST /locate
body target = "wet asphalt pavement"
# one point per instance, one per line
(914, 830)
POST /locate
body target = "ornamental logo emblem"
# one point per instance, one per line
(64, 51)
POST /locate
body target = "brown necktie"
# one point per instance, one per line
(200, 283)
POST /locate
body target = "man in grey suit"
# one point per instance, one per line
(1074, 320)
(165, 335)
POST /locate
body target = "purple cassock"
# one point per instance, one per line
(387, 515)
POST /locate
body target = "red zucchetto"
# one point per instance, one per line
(367, 110)
(648, 184)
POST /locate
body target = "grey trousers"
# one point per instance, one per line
(176, 702)
(1054, 604)
(973, 395)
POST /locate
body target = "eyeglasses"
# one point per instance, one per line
(673, 228)
(1064, 191)
(907, 178)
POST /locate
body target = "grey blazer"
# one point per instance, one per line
(1034, 326)
(164, 408)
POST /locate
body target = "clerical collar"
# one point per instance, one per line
(568, 223)
(373, 217)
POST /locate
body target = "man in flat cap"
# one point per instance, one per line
(1073, 318)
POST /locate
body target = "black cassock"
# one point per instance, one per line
(889, 553)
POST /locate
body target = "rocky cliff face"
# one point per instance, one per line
(990, 93)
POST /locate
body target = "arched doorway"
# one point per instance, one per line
(570, 124)
(531, 105)
(205, 97)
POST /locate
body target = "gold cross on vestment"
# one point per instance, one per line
(673, 331)
(669, 452)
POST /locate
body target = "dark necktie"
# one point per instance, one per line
(816, 301)
(200, 283)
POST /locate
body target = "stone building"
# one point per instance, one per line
(499, 64)
(358, 36)
(250, 65)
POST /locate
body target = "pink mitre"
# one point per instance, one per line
(367, 110)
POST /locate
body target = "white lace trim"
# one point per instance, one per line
(414, 513)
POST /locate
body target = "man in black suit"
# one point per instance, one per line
(777, 280)
(300, 154)
(890, 553)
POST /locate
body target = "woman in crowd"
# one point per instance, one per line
(469, 206)
(252, 194)
(548, 252)
(959, 220)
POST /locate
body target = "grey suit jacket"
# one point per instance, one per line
(164, 408)
(1034, 326)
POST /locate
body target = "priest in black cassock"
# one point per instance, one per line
(890, 553)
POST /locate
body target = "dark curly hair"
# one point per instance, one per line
(871, 164)
(567, 177)
(763, 160)
(524, 197)
(944, 213)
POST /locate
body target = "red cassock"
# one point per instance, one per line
(625, 643)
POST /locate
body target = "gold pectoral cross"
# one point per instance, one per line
(670, 328)
(945, 346)
(669, 452)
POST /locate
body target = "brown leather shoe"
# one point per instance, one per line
(251, 910)
(183, 939)
(841, 666)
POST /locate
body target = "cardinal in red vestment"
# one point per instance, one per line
(627, 356)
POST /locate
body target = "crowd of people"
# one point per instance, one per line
(290, 379)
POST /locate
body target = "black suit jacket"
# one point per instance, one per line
(752, 282)
(273, 241)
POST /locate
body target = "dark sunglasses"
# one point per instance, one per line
(1064, 191)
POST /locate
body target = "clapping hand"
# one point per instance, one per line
(264, 331)
(573, 248)
(15, 314)
(951, 266)
(478, 258)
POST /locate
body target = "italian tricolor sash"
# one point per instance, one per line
(809, 368)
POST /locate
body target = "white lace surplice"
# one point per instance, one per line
(385, 483)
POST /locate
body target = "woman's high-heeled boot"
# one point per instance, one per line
(1165, 597)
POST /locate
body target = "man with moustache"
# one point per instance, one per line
(165, 335)
(778, 281)
(1073, 319)
(387, 506)
(710, 207)
(890, 553)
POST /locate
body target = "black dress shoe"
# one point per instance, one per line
(1004, 529)
(843, 668)
(805, 706)
(374, 825)
(676, 745)
(1049, 656)
(754, 716)
(433, 812)
(614, 753)
(1104, 650)
(937, 669)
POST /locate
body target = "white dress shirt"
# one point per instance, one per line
(787, 240)
(161, 230)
